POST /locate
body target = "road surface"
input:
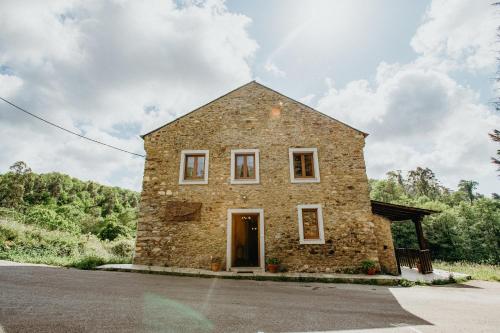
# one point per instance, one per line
(45, 299)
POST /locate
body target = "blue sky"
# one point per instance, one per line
(416, 75)
(374, 32)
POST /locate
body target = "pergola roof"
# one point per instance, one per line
(399, 212)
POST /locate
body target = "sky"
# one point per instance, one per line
(416, 75)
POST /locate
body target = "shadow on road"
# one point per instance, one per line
(43, 299)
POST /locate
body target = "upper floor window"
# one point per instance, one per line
(194, 167)
(245, 166)
(311, 224)
(304, 166)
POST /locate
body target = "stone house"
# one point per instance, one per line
(254, 175)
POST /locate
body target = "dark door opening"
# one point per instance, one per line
(245, 247)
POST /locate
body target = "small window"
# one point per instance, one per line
(244, 166)
(304, 166)
(194, 167)
(311, 224)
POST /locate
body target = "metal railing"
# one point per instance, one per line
(421, 259)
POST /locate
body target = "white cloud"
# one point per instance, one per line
(307, 99)
(113, 69)
(458, 34)
(419, 117)
(417, 114)
(9, 84)
(273, 69)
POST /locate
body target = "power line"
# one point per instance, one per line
(67, 130)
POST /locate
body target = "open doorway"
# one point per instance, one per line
(245, 239)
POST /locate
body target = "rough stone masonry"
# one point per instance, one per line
(256, 117)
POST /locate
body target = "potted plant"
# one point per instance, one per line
(369, 267)
(215, 264)
(273, 264)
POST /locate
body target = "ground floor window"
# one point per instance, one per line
(311, 224)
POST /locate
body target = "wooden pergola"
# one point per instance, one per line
(397, 213)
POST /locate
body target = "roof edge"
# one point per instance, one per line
(416, 209)
(313, 109)
(260, 84)
(202, 106)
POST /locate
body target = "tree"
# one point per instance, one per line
(468, 187)
(20, 168)
(112, 230)
(423, 182)
(14, 184)
(495, 136)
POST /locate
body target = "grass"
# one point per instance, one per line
(31, 244)
(476, 271)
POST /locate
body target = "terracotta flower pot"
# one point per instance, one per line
(215, 266)
(273, 268)
(371, 271)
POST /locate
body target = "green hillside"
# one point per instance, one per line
(56, 219)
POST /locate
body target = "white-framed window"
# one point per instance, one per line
(311, 224)
(193, 167)
(304, 166)
(245, 166)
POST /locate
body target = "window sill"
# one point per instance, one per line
(193, 182)
(304, 180)
(312, 241)
(245, 181)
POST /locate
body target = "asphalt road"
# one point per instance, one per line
(44, 299)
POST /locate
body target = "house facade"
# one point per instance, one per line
(255, 175)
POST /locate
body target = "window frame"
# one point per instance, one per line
(182, 169)
(316, 177)
(234, 179)
(321, 231)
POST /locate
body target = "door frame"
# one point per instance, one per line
(230, 213)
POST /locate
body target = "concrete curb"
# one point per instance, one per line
(382, 280)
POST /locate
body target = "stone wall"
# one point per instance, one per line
(386, 254)
(256, 117)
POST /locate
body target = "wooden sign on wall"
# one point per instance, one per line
(182, 211)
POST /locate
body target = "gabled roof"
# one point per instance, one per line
(243, 86)
(399, 212)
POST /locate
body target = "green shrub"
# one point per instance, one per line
(30, 243)
(406, 283)
(112, 230)
(49, 219)
(11, 214)
(88, 262)
(122, 247)
(366, 265)
(272, 261)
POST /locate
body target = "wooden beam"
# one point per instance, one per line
(422, 243)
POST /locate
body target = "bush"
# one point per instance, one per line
(272, 261)
(123, 247)
(366, 265)
(112, 230)
(29, 243)
(49, 219)
(88, 262)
